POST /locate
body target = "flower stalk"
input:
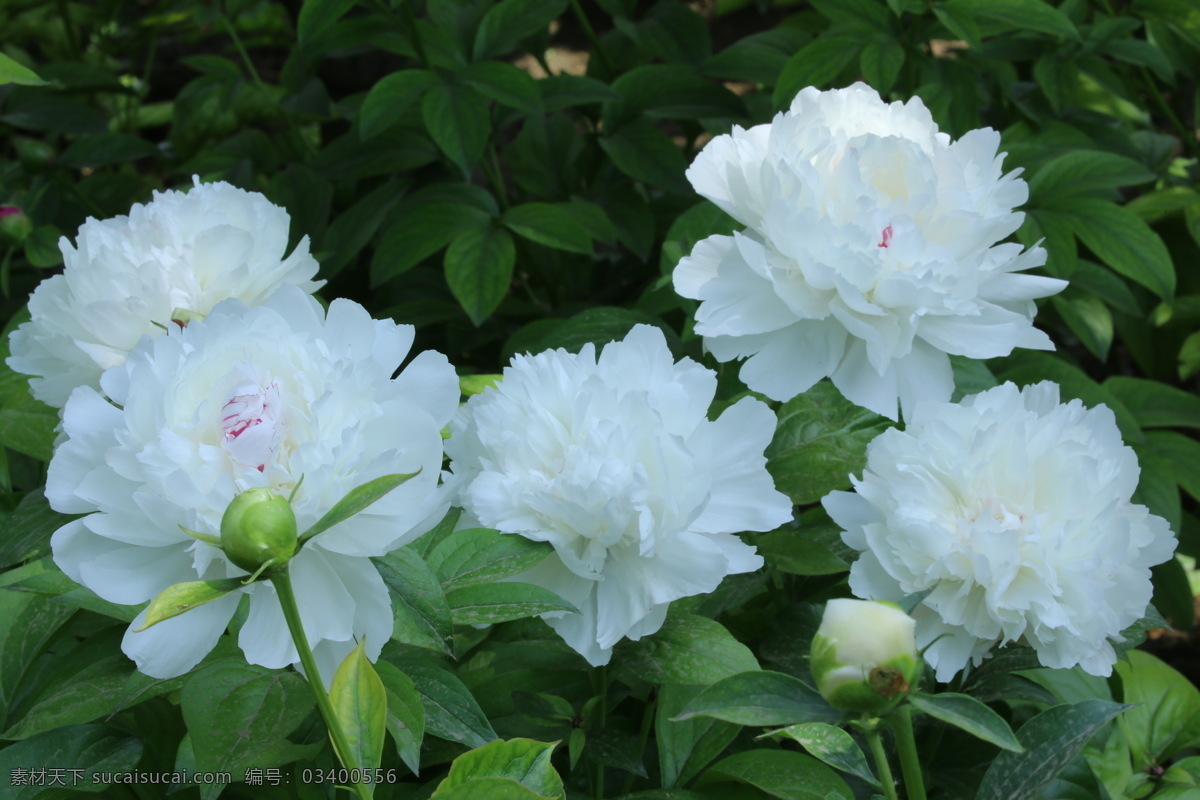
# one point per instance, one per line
(906, 747)
(875, 741)
(282, 581)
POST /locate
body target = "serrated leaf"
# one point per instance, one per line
(356, 500)
(761, 697)
(491, 603)
(479, 267)
(966, 713)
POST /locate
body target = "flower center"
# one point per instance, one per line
(249, 423)
(885, 237)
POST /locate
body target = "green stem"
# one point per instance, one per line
(643, 734)
(881, 762)
(906, 747)
(282, 581)
(590, 32)
(237, 43)
(600, 686)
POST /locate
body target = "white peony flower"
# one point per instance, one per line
(1015, 510)
(129, 276)
(258, 397)
(870, 252)
(613, 461)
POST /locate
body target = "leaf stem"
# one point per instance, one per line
(643, 734)
(282, 581)
(600, 686)
(881, 763)
(906, 747)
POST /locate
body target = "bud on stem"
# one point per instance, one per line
(864, 656)
(258, 531)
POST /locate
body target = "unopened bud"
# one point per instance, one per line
(258, 530)
(14, 225)
(864, 656)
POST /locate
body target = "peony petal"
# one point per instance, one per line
(176, 645)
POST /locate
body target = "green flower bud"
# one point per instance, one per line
(14, 225)
(864, 656)
(258, 530)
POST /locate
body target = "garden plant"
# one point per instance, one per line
(582, 399)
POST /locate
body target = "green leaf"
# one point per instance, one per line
(349, 233)
(688, 650)
(1021, 15)
(104, 149)
(881, 61)
(821, 438)
(505, 84)
(646, 154)
(94, 749)
(785, 774)
(318, 16)
(359, 704)
(507, 23)
(550, 224)
(356, 500)
(522, 760)
(759, 57)
(420, 613)
(833, 746)
(671, 92)
(426, 222)
(1082, 173)
(27, 625)
(28, 528)
(1154, 404)
(81, 684)
(761, 698)
(490, 603)
(175, 600)
(1088, 318)
(481, 555)
(479, 267)
(1034, 367)
(1123, 242)
(405, 714)
(566, 91)
(457, 118)
(1189, 356)
(239, 716)
(1181, 453)
(686, 746)
(789, 552)
(815, 65)
(966, 713)
(390, 99)
(1051, 739)
(451, 712)
(12, 72)
(1166, 719)
(490, 789)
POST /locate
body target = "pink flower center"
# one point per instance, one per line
(249, 423)
(886, 237)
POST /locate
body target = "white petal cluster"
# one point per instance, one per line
(870, 251)
(613, 461)
(128, 276)
(1015, 510)
(252, 397)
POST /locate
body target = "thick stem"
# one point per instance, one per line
(291, 612)
(881, 762)
(906, 747)
(600, 686)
